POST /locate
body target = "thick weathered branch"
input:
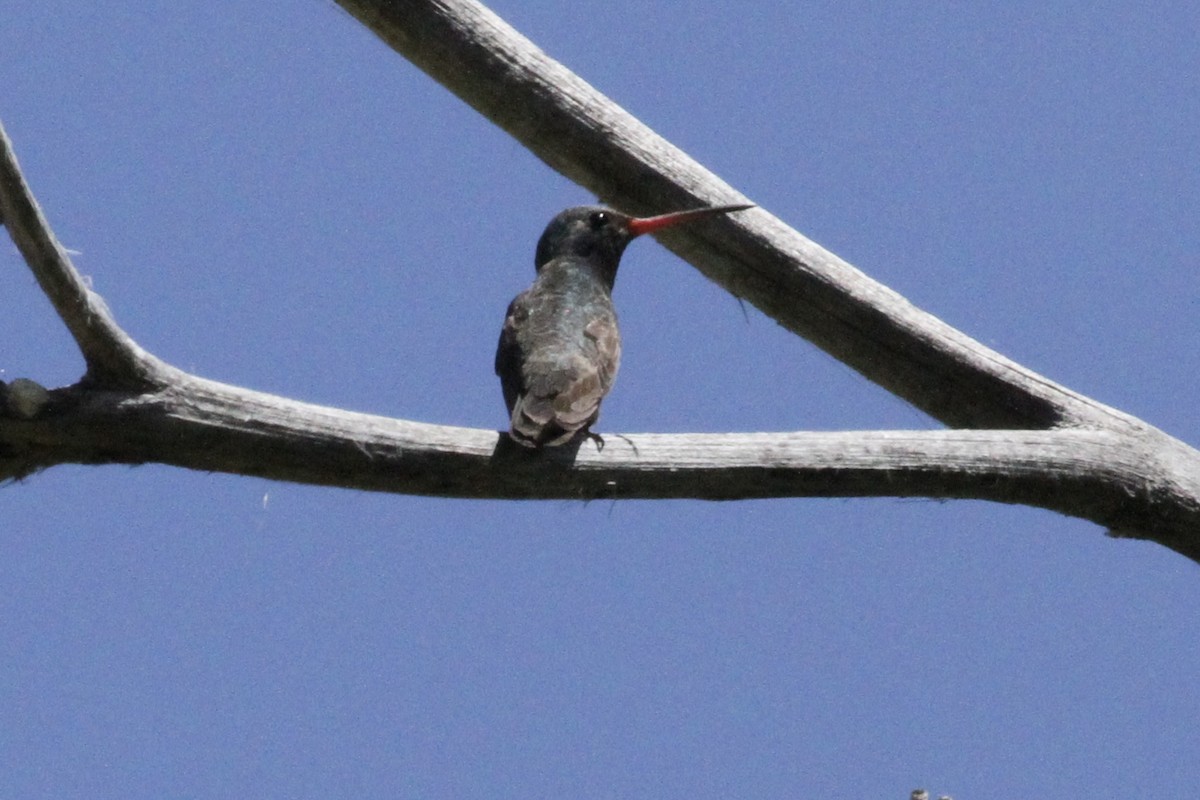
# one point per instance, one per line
(594, 142)
(200, 424)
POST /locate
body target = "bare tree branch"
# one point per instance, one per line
(810, 291)
(1053, 448)
(111, 355)
(1104, 476)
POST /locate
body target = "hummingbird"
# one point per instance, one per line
(560, 346)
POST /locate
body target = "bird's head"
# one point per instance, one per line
(600, 234)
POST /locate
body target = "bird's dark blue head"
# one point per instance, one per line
(593, 233)
(599, 235)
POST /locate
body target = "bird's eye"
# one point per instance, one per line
(598, 220)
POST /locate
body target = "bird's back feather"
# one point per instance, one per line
(558, 355)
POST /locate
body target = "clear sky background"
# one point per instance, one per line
(266, 195)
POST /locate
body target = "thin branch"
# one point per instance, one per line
(112, 357)
(594, 142)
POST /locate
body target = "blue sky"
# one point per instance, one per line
(266, 195)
